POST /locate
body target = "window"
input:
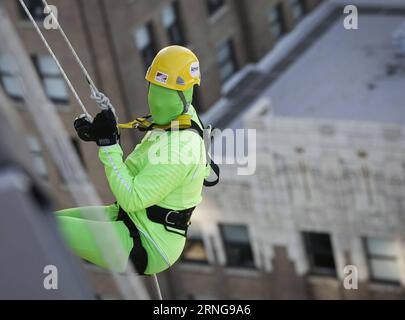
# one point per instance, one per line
(237, 246)
(35, 7)
(320, 253)
(76, 146)
(276, 19)
(382, 259)
(170, 16)
(194, 250)
(145, 44)
(8, 78)
(38, 160)
(214, 5)
(52, 80)
(298, 9)
(226, 60)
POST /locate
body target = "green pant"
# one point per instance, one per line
(78, 230)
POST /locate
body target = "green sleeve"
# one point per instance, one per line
(147, 188)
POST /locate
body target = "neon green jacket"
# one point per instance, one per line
(166, 169)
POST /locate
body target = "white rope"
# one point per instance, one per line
(157, 287)
(102, 101)
(55, 58)
(88, 78)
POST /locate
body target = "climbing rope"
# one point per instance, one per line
(157, 288)
(100, 98)
(69, 83)
(73, 51)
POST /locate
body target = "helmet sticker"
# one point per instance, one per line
(180, 81)
(161, 77)
(195, 69)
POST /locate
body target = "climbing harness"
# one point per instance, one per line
(174, 221)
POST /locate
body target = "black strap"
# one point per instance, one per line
(186, 105)
(196, 128)
(214, 168)
(173, 220)
(138, 254)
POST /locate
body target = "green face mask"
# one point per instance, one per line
(165, 104)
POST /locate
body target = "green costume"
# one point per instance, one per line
(173, 180)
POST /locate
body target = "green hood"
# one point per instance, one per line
(165, 104)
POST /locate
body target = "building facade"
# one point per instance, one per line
(326, 204)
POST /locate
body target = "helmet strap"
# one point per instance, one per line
(183, 99)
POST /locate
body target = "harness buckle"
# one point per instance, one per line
(168, 215)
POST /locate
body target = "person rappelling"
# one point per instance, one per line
(154, 200)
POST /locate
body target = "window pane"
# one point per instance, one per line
(298, 9)
(47, 66)
(168, 15)
(320, 253)
(39, 165)
(176, 35)
(385, 270)
(239, 255)
(76, 145)
(35, 7)
(142, 37)
(226, 70)
(276, 31)
(276, 21)
(382, 247)
(273, 16)
(237, 246)
(226, 60)
(56, 89)
(224, 53)
(37, 160)
(297, 13)
(214, 6)
(34, 145)
(12, 86)
(148, 54)
(6, 64)
(194, 251)
(323, 261)
(235, 234)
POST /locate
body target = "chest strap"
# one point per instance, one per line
(174, 221)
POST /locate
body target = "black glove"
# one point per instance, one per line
(83, 128)
(104, 129)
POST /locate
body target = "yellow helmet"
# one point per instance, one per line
(175, 68)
